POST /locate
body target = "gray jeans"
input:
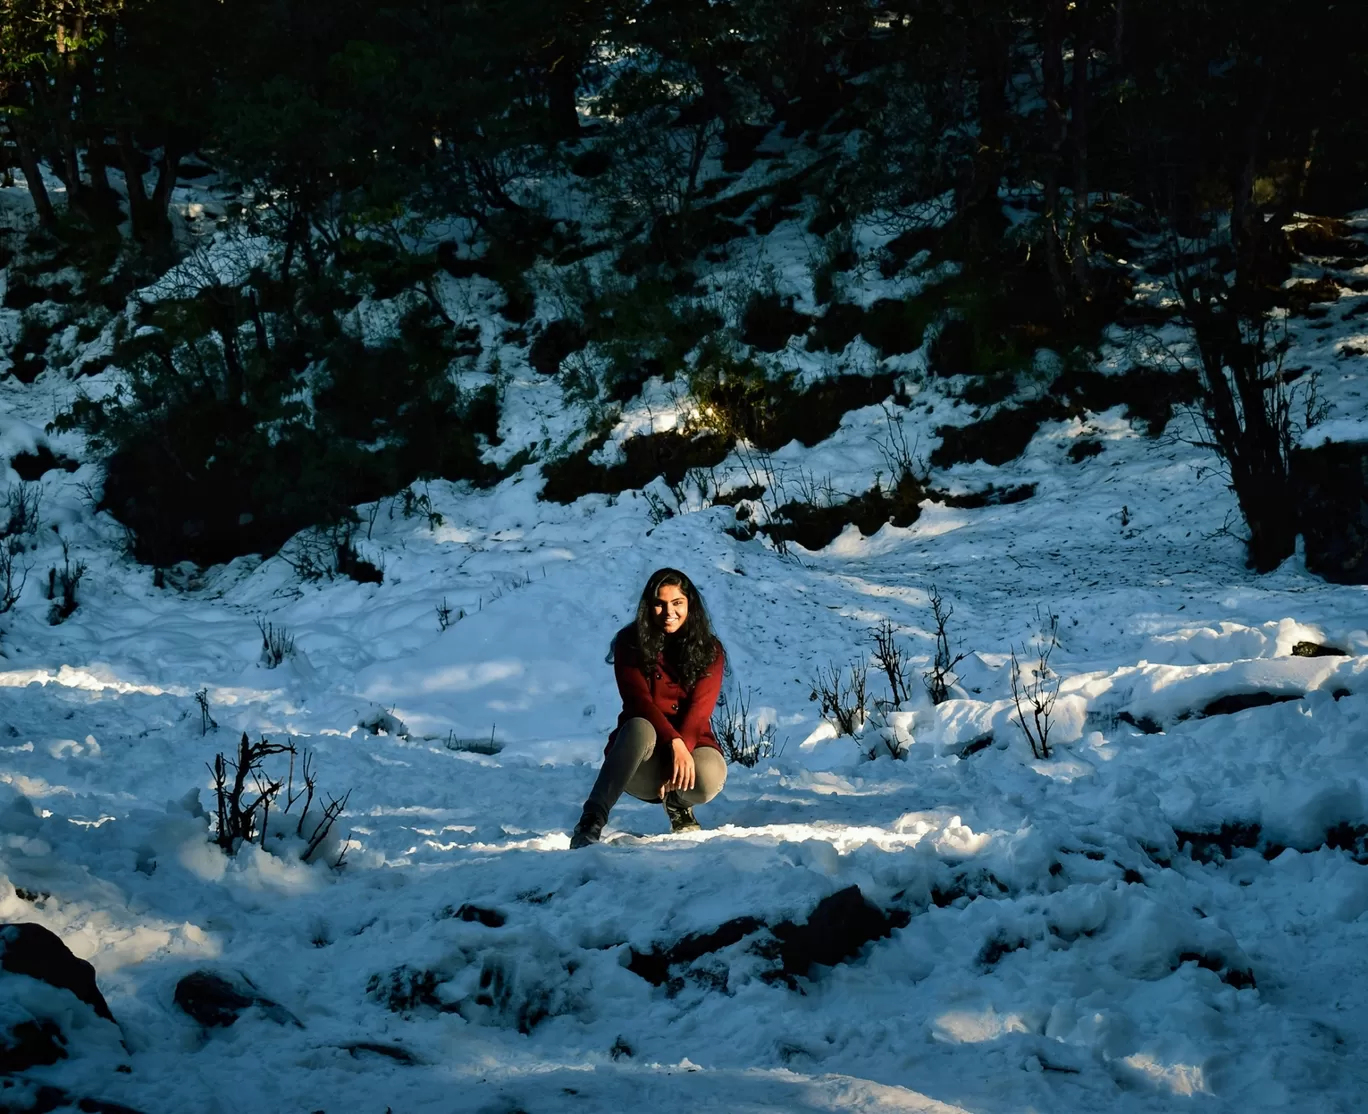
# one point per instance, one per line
(637, 765)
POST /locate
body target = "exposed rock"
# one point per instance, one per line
(43, 1099)
(1316, 650)
(654, 966)
(33, 466)
(393, 1052)
(215, 1001)
(30, 949)
(31, 1044)
(839, 926)
(42, 1024)
(475, 914)
(842, 924)
(1242, 701)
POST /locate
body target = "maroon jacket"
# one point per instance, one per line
(674, 711)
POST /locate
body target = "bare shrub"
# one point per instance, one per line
(13, 574)
(892, 659)
(62, 587)
(420, 504)
(941, 674)
(843, 702)
(207, 722)
(1037, 693)
(902, 458)
(22, 503)
(1248, 405)
(657, 509)
(446, 615)
(764, 477)
(243, 806)
(741, 738)
(276, 644)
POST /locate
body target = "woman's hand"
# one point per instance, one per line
(683, 774)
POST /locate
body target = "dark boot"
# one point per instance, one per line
(681, 815)
(589, 829)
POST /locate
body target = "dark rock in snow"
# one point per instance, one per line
(393, 1052)
(33, 466)
(1316, 650)
(214, 1001)
(842, 924)
(1243, 701)
(654, 966)
(42, 1100)
(30, 949)
(490, 918)
(31, 1044)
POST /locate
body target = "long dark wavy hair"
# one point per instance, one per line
(689, 652)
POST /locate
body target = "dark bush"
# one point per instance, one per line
(769, 322)
(900, 250)
(1301, 296)
(1149, 394)
(559, 339)
(996, 439)
(1080, 450)
(815, 527)
(896, 326)
(669, 454)
(836, 328)
(33, 466)
(212, 450)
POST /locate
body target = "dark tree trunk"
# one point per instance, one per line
(129, 159)
(1078, 135)
(562, 85)
(979, 210)
(1052, 74)
(28, 163)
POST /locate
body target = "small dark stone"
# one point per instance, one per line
(993, 951)
(1316, 650)
(30, 949)
(490, 918)
(390, 1051)
(1144, 724)
(213, 1001)
(210, 999)
(1239, 978)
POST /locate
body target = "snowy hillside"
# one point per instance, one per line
(1170, 912)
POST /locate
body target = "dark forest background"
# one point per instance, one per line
(1040, 146)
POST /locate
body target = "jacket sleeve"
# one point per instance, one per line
(702, 701)
(636, 696)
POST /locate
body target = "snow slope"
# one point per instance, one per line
(1067, 946)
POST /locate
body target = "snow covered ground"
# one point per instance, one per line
(1068, 945)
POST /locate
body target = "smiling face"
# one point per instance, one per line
(671, 607)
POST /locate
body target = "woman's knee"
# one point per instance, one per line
(638, 735)
(710, 775)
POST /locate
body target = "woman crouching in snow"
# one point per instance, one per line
(669, 666)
